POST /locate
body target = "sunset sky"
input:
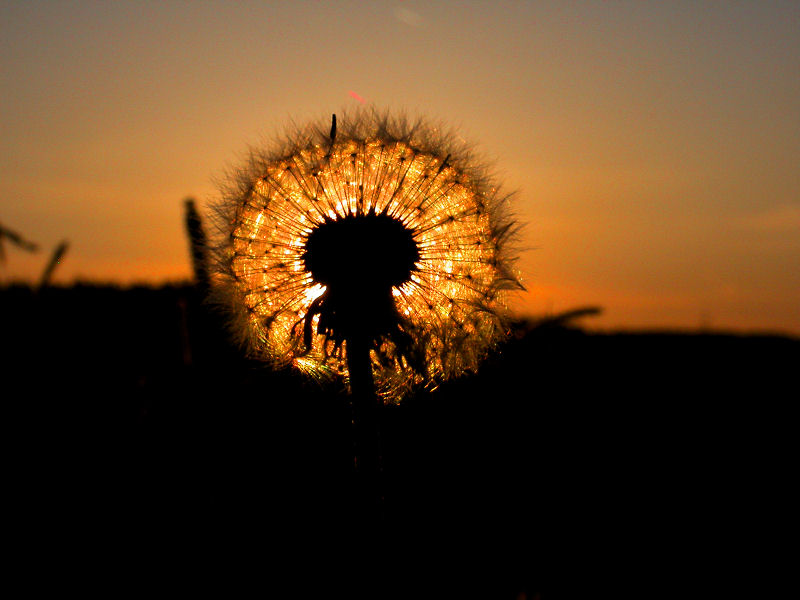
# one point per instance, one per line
(654, 146)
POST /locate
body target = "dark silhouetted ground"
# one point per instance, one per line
(137, 439)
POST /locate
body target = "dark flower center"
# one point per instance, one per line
(365, 251)
(359, 258)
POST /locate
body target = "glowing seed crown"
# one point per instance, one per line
(381, 231)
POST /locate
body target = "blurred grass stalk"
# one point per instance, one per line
(55, 260)
(198, 244)
(16, 239)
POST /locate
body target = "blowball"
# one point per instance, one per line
(373, 229)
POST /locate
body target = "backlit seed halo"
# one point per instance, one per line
(389, 229)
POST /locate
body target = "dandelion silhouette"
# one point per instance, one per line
(380, 234)
(377, 251)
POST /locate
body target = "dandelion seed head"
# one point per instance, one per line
(378, 227)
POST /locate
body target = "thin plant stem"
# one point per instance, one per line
(366, 430)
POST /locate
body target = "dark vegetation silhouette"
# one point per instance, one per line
(563, 442)
(134, 427)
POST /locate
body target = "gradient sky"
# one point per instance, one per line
(654, 146)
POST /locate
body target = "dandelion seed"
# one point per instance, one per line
(378, 229)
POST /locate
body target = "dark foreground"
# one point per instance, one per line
(139, 443)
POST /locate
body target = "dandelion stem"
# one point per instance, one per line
(366, 429)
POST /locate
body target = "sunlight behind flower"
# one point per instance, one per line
(450, 304)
